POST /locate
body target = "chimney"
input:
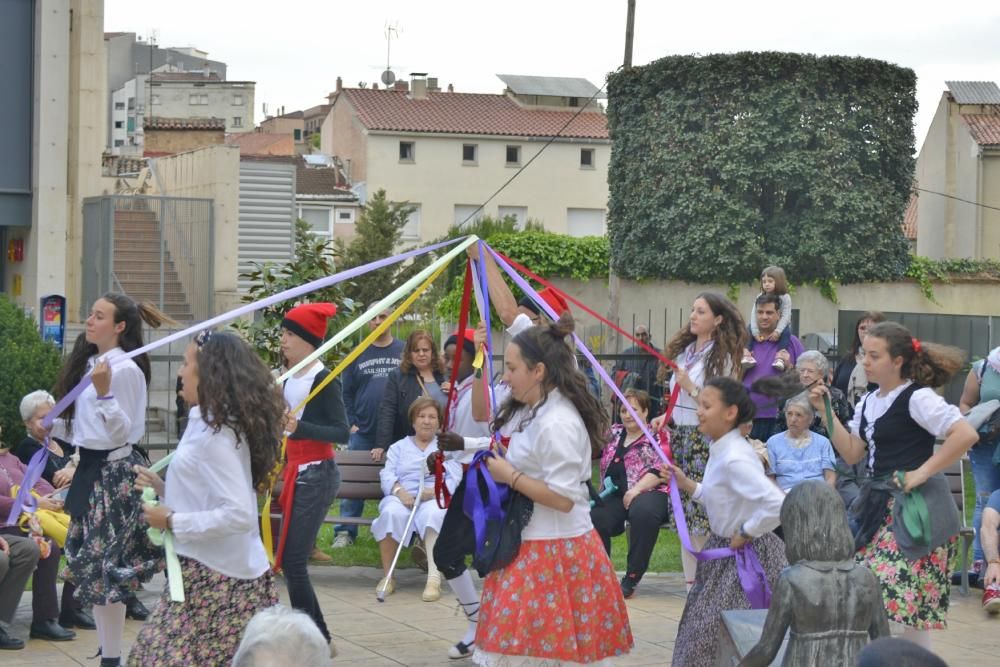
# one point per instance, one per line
(206, 71)
(418, 86)
(432, 85)
(340, 84)
(374, 86)
(401, 86)
(451, 88)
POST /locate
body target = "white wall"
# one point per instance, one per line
(175, 102)
(438, 180)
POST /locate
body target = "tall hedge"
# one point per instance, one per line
(723, 164)
(26, 363)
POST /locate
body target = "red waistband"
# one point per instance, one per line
(307, 451)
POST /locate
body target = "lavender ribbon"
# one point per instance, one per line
(37, 464)
(474, 506)
(749, 569)
(485, 289)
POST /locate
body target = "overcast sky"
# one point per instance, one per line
(295, 49)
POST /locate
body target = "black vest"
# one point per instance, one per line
(900, 442)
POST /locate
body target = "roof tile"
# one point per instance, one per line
(910, 219)
(469, 113)
(160, 123)
(984, 128)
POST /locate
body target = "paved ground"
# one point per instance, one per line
(406, 631)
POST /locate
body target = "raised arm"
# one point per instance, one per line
(501, 298)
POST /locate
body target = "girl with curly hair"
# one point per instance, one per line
(709, 346)
(894, 429)
(210, 505)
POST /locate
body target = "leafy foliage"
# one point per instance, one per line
(926, 271)
(29, 364)
(314, 258)
(724, 164)
(379, 230)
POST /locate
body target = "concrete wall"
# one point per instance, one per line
(343, 136)
(990, 195)
(283, 126)
(664, 305)
(175, 101)
(210, 173)
(179, 141)
(438, 180)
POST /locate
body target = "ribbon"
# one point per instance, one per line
(437, 269)
(484, 295)
(916, 516)
(481, 511)
(37, 466)
(164, 538)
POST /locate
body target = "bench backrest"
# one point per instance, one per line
(955, 474)
(359, 478)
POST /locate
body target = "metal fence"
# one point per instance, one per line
(157, 249)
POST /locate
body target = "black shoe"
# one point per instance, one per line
(135, 609)
(77, 618)
(51, 631)
(628, 586)
(8, 643)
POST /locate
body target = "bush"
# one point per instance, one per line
(29, 363)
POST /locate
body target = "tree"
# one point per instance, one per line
(314, 258)
(379, 230)
(724, 164)
(29, 363)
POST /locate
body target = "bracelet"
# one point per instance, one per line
(993, 561)
(106, 398)
(514, 480)
(170, 524)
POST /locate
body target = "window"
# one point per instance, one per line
(585, 221)
(154, 99)
(345, 217)
(519, 213)
(119, 106)
(237, 121)
(574, 101)
(237, 100)
(140, 108)
(119, 125)
(513, 155)
(198, 100)
(586, 158)
(119, 143)
(318, 219)
(297, 134)
(464, 211)
(469, 153)
(406, 152)
(411, 230)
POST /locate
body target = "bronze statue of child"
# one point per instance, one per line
(832, 604)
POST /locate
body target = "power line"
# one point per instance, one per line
(965, 201)
(533, 157)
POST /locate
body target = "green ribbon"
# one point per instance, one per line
(165, 539)
(916, 516)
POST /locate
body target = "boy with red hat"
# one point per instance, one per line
(311, 477)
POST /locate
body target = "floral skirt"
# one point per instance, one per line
(717, 588)
(558, 603)
(206, 628)
(690, 451)
(108, 554)
(915, 593)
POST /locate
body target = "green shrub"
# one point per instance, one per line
(29, 363)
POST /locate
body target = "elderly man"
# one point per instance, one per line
(765, 351)
(18, 557)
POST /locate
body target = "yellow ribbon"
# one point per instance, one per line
(265, 514)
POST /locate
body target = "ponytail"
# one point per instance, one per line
(927, 364)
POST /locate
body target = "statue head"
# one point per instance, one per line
(815, 524)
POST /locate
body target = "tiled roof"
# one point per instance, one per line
(468, 113)
(185, 76)
(259, 143)
(158, 123)
(984, 128)
(319, 182)
(910, 219)
(974, 92)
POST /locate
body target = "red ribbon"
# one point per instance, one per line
(441, 492)
(916, 344)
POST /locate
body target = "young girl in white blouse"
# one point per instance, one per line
(107, 552)
(894, 430)
(210, 505)
(743, 507)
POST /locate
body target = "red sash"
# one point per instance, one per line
(299, 452)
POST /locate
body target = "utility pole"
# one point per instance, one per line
(614, 283)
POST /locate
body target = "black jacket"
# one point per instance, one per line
(324, 418)
(401, 389)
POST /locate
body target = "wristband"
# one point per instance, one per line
(106, 398)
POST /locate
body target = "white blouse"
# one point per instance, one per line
(210, 490)
(927, 408)
(735, 490)
(686, 410)
(554, 447)
(404, 462)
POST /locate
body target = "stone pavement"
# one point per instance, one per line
(405, 631)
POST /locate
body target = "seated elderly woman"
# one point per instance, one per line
(404, 478)
(641, 499)
(798, 454)
(61, 464)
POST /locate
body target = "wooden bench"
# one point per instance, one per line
(956, 483)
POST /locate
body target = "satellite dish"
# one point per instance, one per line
(388, 78)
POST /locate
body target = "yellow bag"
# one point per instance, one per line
(54, 525)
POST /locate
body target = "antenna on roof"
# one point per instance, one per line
(388, 76)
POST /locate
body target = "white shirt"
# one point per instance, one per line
(554, 447)
(686, 410)
(210, 490)
(404, 462)
(298, 387)
(930, 411)
(520, 323)
(735, 491)
(115, 422)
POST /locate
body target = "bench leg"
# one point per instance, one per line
(964, 560)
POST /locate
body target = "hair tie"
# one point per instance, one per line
(202, 337)
(916, 344)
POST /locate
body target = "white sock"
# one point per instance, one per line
(467, 596)
(430, 537)
(921, 638)
(689, 562)
(110, 620)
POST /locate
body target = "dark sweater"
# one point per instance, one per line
(324, 417)
(27, 448)
(364, 384)
(401, 389)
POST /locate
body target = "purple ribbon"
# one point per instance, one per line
(485, 289)
(748, 567)
(474, 506)
(37, 464)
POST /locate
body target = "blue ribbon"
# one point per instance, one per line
(478, 509)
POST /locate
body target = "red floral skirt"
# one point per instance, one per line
(558, 601)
